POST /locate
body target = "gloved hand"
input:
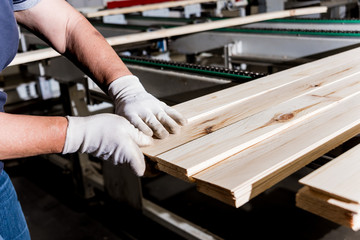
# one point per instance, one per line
(107, 136)
(143, 110)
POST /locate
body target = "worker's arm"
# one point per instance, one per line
(72, 35)
(68, 32)
(105, 136)
(23, 136)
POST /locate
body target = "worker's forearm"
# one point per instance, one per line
(89, 49)
(71, 34)
(23, 136)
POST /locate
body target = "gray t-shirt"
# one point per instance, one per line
(9, 36)
(24, 4)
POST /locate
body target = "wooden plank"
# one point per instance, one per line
(147, 7)
(333, 190)
(253, 170)
(206, 151)
(173, 172)
(176, 31)
(35, 55)
(339, 178)
(215, 111)
(336, 210)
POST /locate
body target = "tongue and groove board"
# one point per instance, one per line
(206, 151)
(324, 205)
(242, 140)
(250, 172)
(214, 111)
(333, 190)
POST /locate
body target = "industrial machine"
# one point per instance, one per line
(176, 70)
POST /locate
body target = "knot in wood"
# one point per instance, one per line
(209, 130)
(285, 117)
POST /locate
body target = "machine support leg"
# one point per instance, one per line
(122, 185)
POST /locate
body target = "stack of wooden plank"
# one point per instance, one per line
(333, 190)
(242, 140)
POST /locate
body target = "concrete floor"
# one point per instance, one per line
(54, 211)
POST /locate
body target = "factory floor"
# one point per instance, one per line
(54, 211)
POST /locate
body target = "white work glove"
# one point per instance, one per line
(108, 137)
(143, 110)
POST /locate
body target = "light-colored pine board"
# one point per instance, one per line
(339, 178)
(217, 110)
(268, 162)
(35, 55)
(336, 210)
(176, 31)
(221, 196)
(143, 8)
(173, 172)
(252, 191)
(333, 190)
(206, 151)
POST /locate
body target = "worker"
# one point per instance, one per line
(115, 137)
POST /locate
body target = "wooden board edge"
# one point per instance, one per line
(311, 179)
(320, 204)
(221, 196)
(174, 173)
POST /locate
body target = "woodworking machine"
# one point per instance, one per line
(175, 70)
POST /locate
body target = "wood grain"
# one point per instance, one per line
(209, 113)
(333, 190)
(339, 178)
(336, 210)
(206, 151)
(255, 169)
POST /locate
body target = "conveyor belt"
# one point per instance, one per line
(292, 31)
(316, 20)
(305, 26)
(234, 75)
(293, 26)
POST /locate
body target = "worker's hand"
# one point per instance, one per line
(107, 136)
(143, 110)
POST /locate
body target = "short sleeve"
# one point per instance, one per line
(20, 5)
(2, 100)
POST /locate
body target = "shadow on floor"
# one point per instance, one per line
(54, 211)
